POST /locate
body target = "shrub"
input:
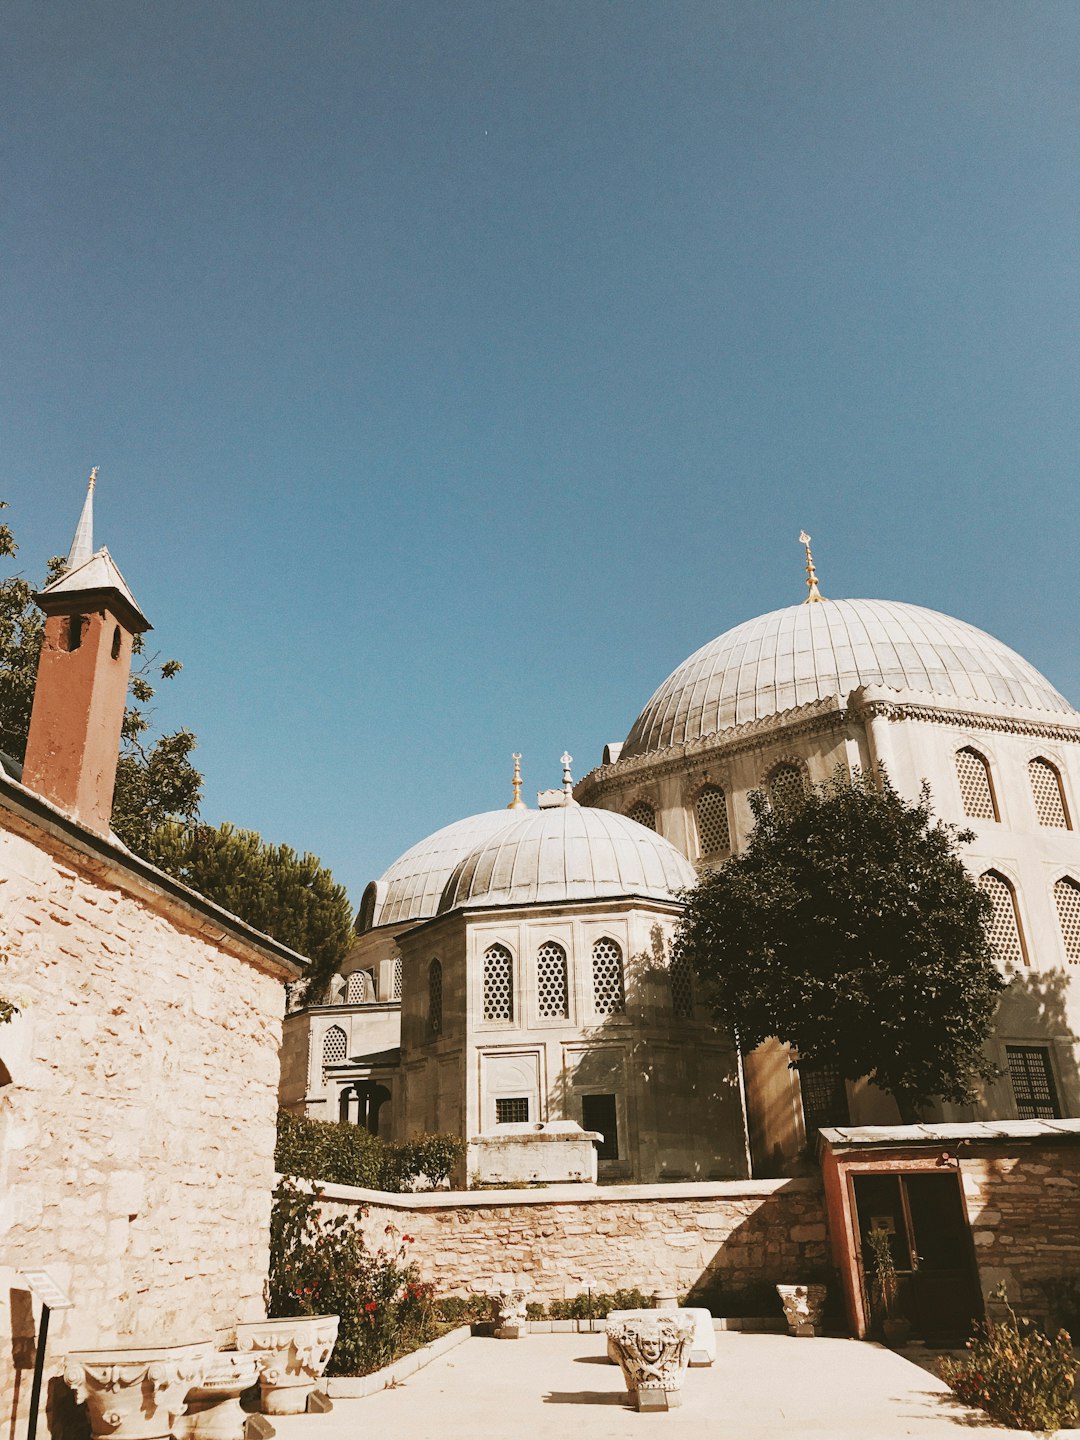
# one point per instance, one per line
(464, 1309)
(1020, 1377)
(594, 1305)
(341, 1154)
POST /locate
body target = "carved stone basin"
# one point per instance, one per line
(213, 1405)
(292, 1354)
(136, 1392)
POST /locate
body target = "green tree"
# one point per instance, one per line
(850, 931)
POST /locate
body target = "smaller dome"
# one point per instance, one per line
(410, 888)
(567, 853)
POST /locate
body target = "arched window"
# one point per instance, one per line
(643, 813)
(395, 983)
(366, 914)
(498, 983)
(434, 999)
(682, 987)
(335, 1047)
(710, 807)
(607, 978)
(786, 788)
(1006, 935)
(359, 988)
(1067, 899)
(551, 991)
(976, 789)
(1049, 794)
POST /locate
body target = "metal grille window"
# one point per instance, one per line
(395, 983)
(712, 822)
(607, 978)
(1067, 899)
(1032, 1082)
(434, 993)
(786, 788)
(551, 1001)
(976, 791)
(643, 813)
(1048, 794)
(824, 1097)
(334, 1047)
(513, 1110)
(682, 988)
(1005, 934)
(498, 983)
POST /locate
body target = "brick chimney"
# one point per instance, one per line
(91, 620)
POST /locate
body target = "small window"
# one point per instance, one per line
(976, 789)
(1032, 1082)
(1049, 795)
(682, 988)
(116, 642)
(599, 1112)
(498, 984)
(359, 988)
(335, 1047)
(786, 788)
(395, 983)
(512, 1110)
(73, 632)
(824, 1097)
(607, 975)
(434, 983)
(643, 813)
(710, 807)
(1005, 933)
(1067, 899)
(551, 990)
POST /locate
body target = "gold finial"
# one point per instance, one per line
(811, 574)
(517, 803)
(93, 478)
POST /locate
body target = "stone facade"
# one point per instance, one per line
(138, 1096)
(697, 1239)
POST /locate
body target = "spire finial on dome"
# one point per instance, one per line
(566, 760)
(82, 545)
(517, 803)
(811, 574)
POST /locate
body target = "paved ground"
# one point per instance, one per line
(550, 1387)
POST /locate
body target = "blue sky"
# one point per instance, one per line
(455, 370)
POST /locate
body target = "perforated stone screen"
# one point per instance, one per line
(682, 988)
(551, 994)
(395, 984)
(786, 786)
(1005, 922)
(976, 794)
(498, 984)
(1046, 789)
(434, 988)
(1067, 899)
(335, 1047)
(359, 988)
(607, 978)
(643, 813)
(1032, 1082)
(712, 822)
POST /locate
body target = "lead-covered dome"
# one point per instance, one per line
(567, 853)
(806, 652)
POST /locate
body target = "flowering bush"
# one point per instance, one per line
(324, 1267)
(1018, 1375)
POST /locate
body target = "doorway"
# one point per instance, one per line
(923, 1214)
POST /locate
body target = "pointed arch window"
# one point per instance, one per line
(643, 813)
(551, 987)
(335, 1047)
(1006, 934)
(1048, 794)
(710, 810)
(609, 996)
(976, 786)
(786, 787)
(359, 988)
(435, 998)
(1067, 899)
(498, 984)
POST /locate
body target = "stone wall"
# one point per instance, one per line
(709, 1240)
(137, 1105)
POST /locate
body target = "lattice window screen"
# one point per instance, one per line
(786, 786)
(682, 987)
(607, 978)
(551, 1002)
(712, 822)
(1067, 898)
(358, 988)
(643, 813)
(395, 983)
(824, 1097)
(434, 992)
(498, 984)
(976, 793)
(1005, 935)
(335, 1047)
(1032, 1082)
(1046, 788)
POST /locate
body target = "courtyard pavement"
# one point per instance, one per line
(761, 1387)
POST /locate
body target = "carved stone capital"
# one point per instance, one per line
(804, 1307)
(653, 1350)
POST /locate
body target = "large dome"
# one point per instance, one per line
(567, 853)
(806, 652)
(411, 887)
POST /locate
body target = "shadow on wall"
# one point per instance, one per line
(1034, 1010)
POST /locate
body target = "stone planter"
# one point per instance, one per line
(136, 1393)
(804, 1308)
(292, 1354)
(213, 1405)
(653, 1350)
